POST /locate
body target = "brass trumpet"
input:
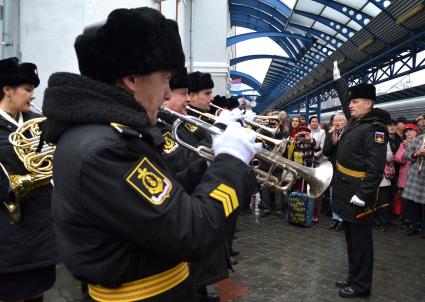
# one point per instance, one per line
(25, 141)
(266, 120)
(272, 131)
(262, 137)
(318, 178)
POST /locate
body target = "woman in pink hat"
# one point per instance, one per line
(410, 132)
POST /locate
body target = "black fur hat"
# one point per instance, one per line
(219, 101)
(199, 81)
(232, 103)
(179, 79)
(131, 41)
(364, 91)
(13, 74)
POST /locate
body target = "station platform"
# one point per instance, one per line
(279, 262)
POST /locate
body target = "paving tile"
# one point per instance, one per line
(279, 262)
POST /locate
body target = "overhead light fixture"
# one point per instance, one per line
(366, 43)
(409, 14)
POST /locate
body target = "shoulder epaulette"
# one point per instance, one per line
(125, 130)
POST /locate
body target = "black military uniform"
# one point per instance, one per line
(27, 248)
(177, 156)
(215, 266)
(201, 135)
(125, 225)
(361, 158)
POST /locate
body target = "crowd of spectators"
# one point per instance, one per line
(310, 143)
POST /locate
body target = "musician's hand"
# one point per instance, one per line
(336, 72)
(228, 116)
(357, 201)
(237, 141)
(250, 115)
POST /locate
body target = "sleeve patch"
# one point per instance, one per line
(170, 145)
(379, 137)
(192, 128)
(149, 182)
(227, 196)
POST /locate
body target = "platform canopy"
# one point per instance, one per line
(308, 34)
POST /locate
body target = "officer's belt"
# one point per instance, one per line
(143, 288)
(349, 172)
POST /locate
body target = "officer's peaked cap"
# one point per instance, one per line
(13, 74)
(131, 41)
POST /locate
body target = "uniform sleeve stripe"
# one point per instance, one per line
(220, 196)
(232, 194)
(227, 196)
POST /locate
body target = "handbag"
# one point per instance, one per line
(389, 170)
(398, 207)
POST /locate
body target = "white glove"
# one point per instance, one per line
(336, 72)
(227, 116)
(237, 141)
(357, 201)
(250, 115)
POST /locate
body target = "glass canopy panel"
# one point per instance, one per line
(335, 15)
(301, 20)
(371, 10)
(357, 4)
(354, 25)
(324, 28)
(310, 6)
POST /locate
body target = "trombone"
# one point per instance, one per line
(318, 178)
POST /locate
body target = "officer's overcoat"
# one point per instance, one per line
(119, 214)
(362, 148)
(30, 243)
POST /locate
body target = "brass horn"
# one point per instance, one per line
(318, 178)
(255, 124)
(39, 163)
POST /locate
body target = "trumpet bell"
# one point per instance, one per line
(319, 179)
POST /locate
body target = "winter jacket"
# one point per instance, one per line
(404, 166)
(120, 214)
(319, 136)
(360, 159)
(30, 243)
(415, 185)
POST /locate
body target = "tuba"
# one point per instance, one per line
(318, 178)
(39, 163)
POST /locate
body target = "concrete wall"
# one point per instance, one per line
(48, 28)
(210, 30)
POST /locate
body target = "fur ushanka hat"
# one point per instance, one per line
(200, 81)
(13, 74)
(179, 79)
(131, 41)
